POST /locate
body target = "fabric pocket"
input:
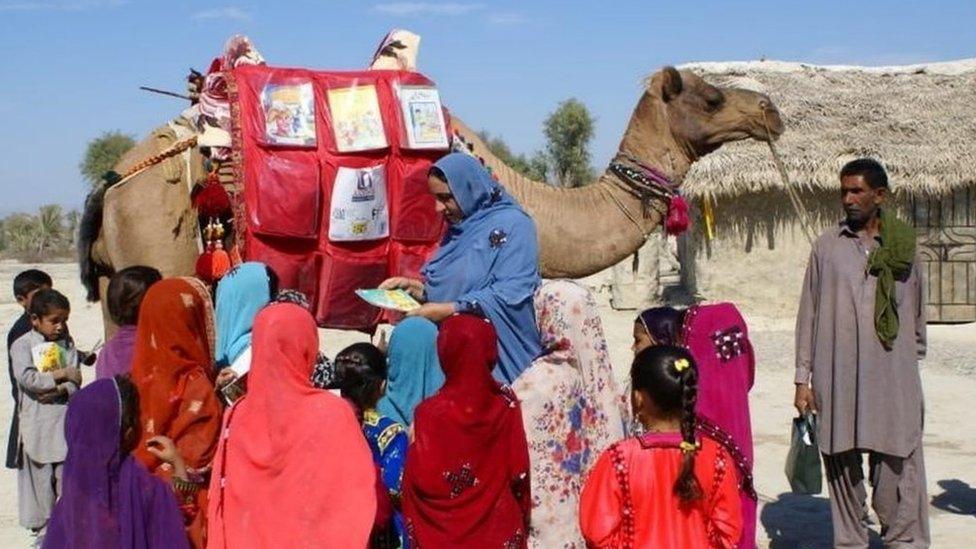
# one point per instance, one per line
(288, 197)
(338, 304)
(416, 218)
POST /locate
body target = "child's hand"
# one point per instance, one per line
(164, 449)
(225, 377)
(67, 374)
(48, 397)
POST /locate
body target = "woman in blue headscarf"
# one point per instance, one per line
(241, 294)
(415, 372)
(488, 262)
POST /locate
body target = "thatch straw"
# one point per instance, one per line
(919, 121)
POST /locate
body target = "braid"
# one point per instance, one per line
(687, 486)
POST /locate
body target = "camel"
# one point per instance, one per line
(678, 119)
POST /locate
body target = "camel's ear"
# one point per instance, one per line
(671, 84)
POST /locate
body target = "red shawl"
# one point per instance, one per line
(466, 477)
(293, 469)
(172, 368)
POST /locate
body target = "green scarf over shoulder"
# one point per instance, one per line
(890, 261)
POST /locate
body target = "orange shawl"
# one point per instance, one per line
(293, 469)
(172, 367)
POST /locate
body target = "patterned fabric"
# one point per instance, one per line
(470, 430)
(388, 441)
(571, 408)
(172, 368)
(324, 373)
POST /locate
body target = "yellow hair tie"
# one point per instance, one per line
(688, 447)
(681, 364)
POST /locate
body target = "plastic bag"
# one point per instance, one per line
(803, 461)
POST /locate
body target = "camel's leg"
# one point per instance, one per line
(110, 327)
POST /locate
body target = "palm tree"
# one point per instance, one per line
(50, 227)
(21, 233)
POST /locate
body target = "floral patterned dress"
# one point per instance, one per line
(388, 441)
(571, 408)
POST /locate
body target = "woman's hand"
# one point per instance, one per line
(164, 449)
(434, 312)
(412, 286)
(225, 377)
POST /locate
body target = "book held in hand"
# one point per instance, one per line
(49, 356)
(397, 300)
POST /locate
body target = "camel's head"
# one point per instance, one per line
(701, 116)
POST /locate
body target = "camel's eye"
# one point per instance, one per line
(713, 98)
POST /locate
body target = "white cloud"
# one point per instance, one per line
(426, 8)
(77, 5)
(507, 18)
(230, 13)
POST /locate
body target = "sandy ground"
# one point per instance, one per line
(786, 520)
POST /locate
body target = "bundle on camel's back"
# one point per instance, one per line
(678, 119)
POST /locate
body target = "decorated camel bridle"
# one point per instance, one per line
(653, 189)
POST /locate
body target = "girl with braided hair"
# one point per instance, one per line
(672, 486)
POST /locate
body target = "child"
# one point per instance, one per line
(362, 370)
(125, 293)
(109, 498)
(668, 487)
(45, 365)
(26, 284)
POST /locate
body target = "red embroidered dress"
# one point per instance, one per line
(629, 501)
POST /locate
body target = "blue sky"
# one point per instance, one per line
(71, 69)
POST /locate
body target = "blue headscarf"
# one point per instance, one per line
(415, 373)
(489, 262)
(240, 295)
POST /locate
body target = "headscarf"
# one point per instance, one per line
(116, 357)
(717, 337)
(108, 499)
(571, 407)
(466, 477)
(414, 373)
(172, 367)
(294, 469)
(240, 295)
(490, 261)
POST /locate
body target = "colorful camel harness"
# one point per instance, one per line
(652, 188)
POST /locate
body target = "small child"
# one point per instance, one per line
(670, 487)
(45, 364)
(125, 293)
(361, 369)
(26, 284)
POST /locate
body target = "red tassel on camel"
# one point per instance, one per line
(214, 262)
(677, 221)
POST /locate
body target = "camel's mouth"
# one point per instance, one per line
(769, 127)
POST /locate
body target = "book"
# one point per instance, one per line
(289, 114)
(49, 356)
(424, 117)
(396, 300)
(356, 119)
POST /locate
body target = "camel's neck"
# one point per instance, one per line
(585, 230)
(648, 139)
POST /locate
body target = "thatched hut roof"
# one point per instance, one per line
(919, 121)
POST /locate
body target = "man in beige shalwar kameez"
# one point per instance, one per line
(868, 397)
